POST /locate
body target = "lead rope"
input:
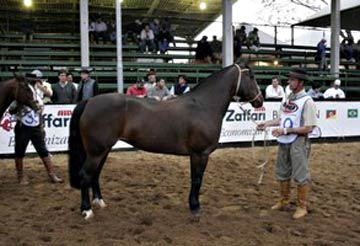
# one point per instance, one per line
(263, 164)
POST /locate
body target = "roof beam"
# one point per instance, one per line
(153, 6)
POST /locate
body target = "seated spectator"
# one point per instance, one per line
(42, 87)
(101, 31)
(147, 39)
(137, 90)
(151, 80)
(315, 92)
(181, 87)
(203, 51)
(163, 46)
(88, 87)
(321, 54)
(216, 47)
(92, 29)
(287, 91)
(63, 92)
(160, 92)
(253, 40)
(335, 91)
(166, 26)
(275, 90)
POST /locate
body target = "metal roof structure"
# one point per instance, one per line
(349, 12)
(63, 15)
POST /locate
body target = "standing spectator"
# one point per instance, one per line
(335, 91)
(203, 51)
(321, 54)
(137, 90)
(63, 92)
(27, 28)
(216, 47)
(315, 92)
(181, 87)
(297, 120)
(275, 90)
(101, 31)
(147, 39)
(160, 92)
(42, 88)
(239, 40)
(70, 80)
(253, 40)
(29, 128)
(88, 87)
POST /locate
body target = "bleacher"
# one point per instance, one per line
(50, 52)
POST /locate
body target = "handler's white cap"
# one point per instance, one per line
(337, 82)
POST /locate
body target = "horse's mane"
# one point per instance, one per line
(203, 82)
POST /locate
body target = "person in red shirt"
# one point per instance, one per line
(137, 89)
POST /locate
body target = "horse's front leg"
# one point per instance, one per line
(198, 166)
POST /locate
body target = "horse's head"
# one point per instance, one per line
(247, 88)
(25, 93)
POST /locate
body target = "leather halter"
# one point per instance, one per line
(239, 82)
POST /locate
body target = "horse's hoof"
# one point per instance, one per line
(88, 214)
(196, 215)
(99, 202)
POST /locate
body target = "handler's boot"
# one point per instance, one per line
(50, 170)
(22, 178)
(302, 196)
(285, 196)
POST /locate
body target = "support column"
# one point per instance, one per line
(84, 33)
(227, 41)
(335, 32)
(119, 64)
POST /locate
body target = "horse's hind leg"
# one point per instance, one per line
(198, 166)
(97, 197)
(87, 174)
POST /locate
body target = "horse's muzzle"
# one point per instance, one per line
(258, 102)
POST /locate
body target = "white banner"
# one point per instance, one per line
(336, 119)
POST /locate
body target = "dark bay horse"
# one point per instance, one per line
(187, 125)
(16, 89)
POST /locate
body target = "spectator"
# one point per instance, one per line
(29, 128)
(315, 92)
(275, 90)
(287, 91)
(101, 31)
(151, 80)
(216, 47)
(27, 28)
(63, 92)
(203, 51)
(92, 29)
(88, 87)
(166, 26)
(253, 40)
(335, 91)
(137, 89)
(160, 92)
(321, 54)
(163, 46)
(70, 80)
(181, 87)
(147, 39)
(42, 88)
(239, 40)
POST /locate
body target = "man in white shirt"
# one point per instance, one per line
(335, 91)
(147, 39)
(275, 90)
(100, 31)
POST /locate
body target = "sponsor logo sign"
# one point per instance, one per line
(331, 114)
(352, 113)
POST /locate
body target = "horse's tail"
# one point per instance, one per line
(77, 153)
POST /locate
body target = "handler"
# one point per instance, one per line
(297, 120)
(28, 127)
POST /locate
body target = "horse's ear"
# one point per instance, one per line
(20, 76)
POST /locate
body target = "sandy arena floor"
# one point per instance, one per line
(147, 202)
